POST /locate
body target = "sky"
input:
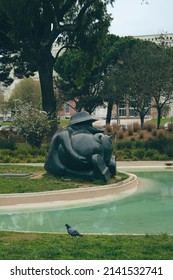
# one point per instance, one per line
(130, 17)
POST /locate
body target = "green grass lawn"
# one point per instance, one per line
(46, 182)
(38, 246)
(163, 121)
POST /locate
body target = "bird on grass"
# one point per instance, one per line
(72, 231)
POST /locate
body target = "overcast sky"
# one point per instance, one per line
(130, 17)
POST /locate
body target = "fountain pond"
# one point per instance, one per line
(148, 211)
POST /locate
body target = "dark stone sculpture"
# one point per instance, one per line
(81, 151)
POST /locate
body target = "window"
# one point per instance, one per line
(132, 112)
(67, 108)
(122, 109)
(122, 112)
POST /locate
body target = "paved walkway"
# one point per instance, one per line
(119, 163)
(142, 163)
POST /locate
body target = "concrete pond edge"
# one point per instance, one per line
(70, 198)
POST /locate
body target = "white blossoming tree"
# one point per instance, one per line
(32, 124)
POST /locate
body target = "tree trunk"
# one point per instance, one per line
(109, 111)
(46, 82)
(142, 117)
(159, 116)
(118, 119)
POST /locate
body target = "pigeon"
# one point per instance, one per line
(72, 231)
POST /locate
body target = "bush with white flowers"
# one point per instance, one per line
(32, 124)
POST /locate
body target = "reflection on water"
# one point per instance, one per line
(149, 210)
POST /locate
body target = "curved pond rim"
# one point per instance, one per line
(80, 197)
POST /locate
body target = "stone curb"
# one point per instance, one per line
(70, 197)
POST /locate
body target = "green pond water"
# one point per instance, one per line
(148, 210)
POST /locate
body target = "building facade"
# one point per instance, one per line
(160, 39)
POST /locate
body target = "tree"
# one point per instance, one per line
(35, 25)
(146, 78)
(149, 78)
(27, 91)
(4, 109)
(144, 2)
(32, 124)
(3, 104)
(162, 69)
(6, 48)
(112, 90)
(90, 86)
(78, 80)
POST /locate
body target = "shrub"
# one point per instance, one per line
(170, 127)
(159, 148)
(149, 126)
(163, 157)
(136, 127)
(32, 124)
(154, 132)
(123, 154)
(130, 130)
(6, 159)
(24, 153)
(139, 153)
(151, 154)
(151, 144)
(108, 129)
(8, 144)
(168, 150)
(139, 144)
(127, 154)
(115, 127)
(160, 133)
(161, 142)
(141, 135)
(124, 145)
(120, 134)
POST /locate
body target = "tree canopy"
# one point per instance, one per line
(147, 72)
(6, 47)
(91, 86)
(26, 91)
(78, 81)
(35, 25)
